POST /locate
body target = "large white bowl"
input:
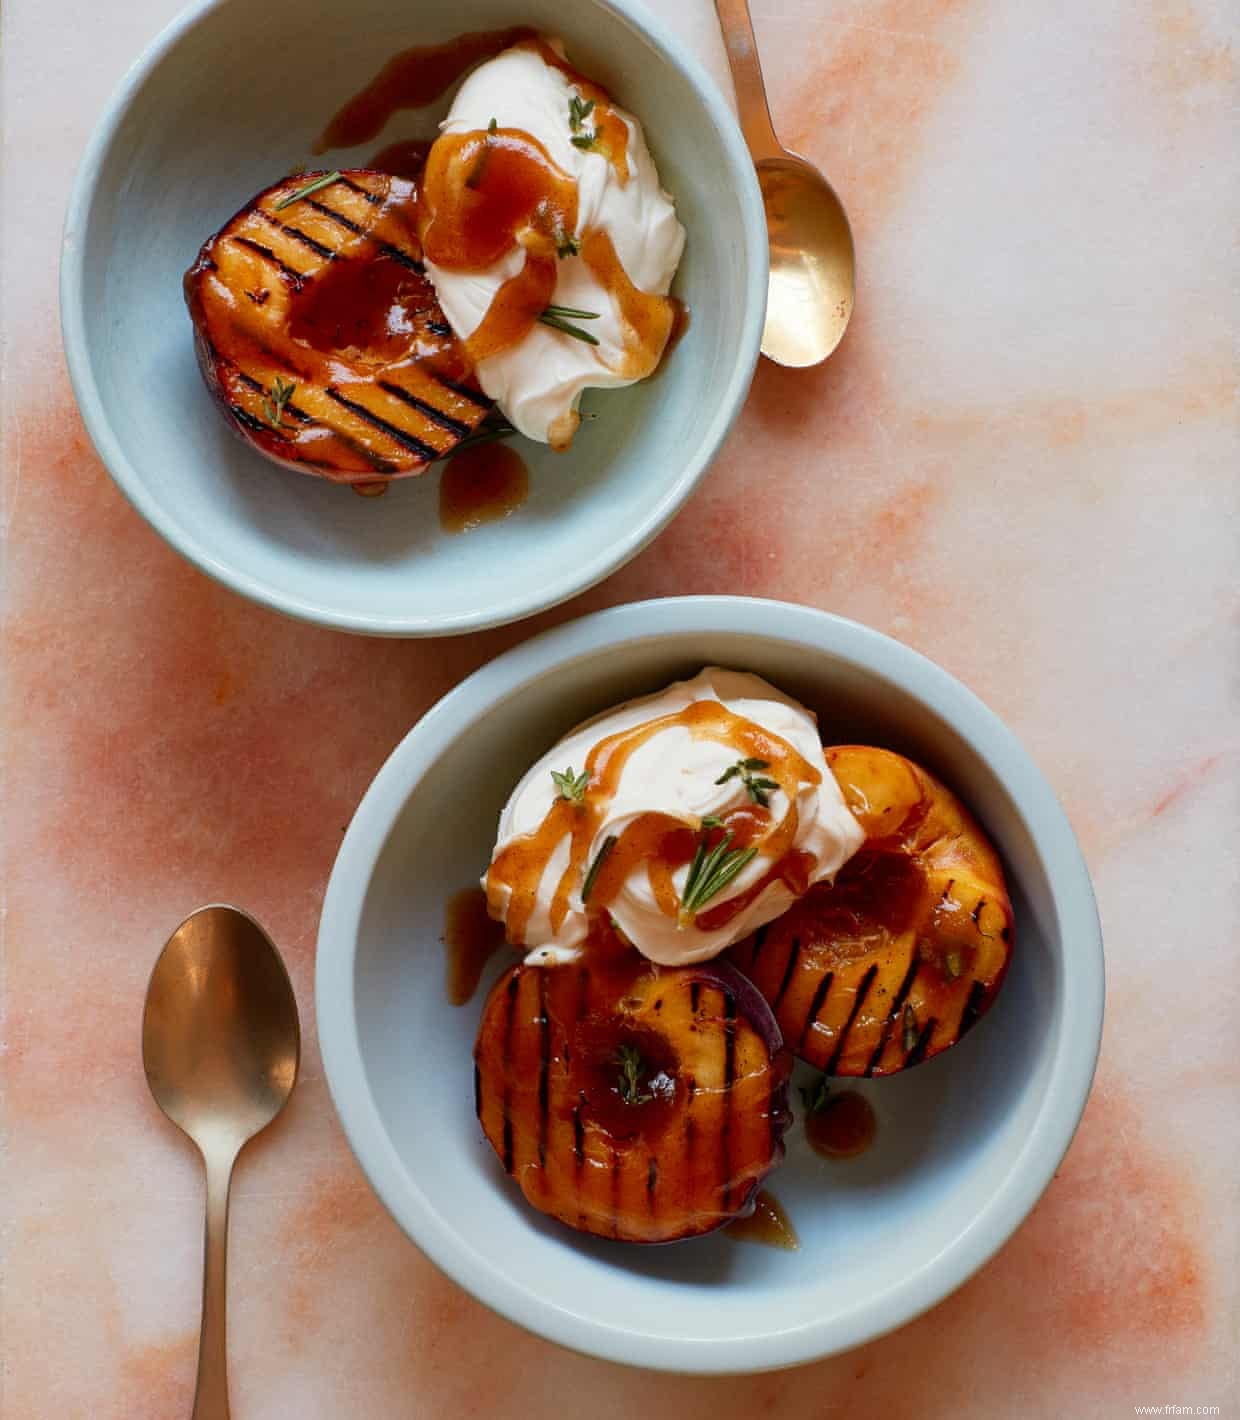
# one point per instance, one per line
(225, 101)
(966, 1142)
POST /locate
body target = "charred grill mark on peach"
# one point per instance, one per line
(510, 1010)
(373, 198)
(863, 990)
(251, 421)
(401, 436)
(295, 278)
(430, 411)
(695, 993)
(477, 1090)
(759, 941)
(977, 911)
(579, 1137)
(690, 1122)
(475, 396)
(815, 1006)
(897, 1006)
(259, 425)
(791, 966)
(652, 1179)
(729, 1080)
(287, 228)
(399, 254)
(508, 1154)
(544, 1068)
(333, 215)
(972, 1007)
(439, 327)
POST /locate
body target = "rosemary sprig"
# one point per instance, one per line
(316, 185)
(579, 110)
(629, 1058)
(571, 786)
(561, 318)
(487, 432)
(566, 244)
(600, 858)
(710, 872)
(275, 399)
(758, 788)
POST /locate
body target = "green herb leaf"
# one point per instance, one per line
(316, 185)
(571, 786)
(570, 313)
(275, 399)
(493, 126)
(909, 1029)
(578, 111)
(556, 322)
(600, 858)
(629, 1058)
(712, 821)
(758, 789)
(486, 433)
(710, 872)
(814, 1097)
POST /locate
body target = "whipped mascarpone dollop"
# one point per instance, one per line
(537, 382)
(689, 818)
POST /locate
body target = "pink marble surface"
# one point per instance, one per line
(1023, 462)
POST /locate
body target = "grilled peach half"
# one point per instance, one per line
(897, 959)
(641, 1104)
(319, 334)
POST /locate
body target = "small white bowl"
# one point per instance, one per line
(966, 1142)
(230, 97)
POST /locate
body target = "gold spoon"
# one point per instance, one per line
(220, 1045)
(813, 270)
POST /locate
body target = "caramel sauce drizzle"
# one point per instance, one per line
(648, 319)
(661, 842)
(412, 79)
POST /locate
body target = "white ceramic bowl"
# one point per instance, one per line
(966, 1142)
(229, 98)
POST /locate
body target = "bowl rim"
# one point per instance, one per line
(560, 586)
(1074, 1050)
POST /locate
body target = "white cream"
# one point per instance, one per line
(537, 383)
(675, 774)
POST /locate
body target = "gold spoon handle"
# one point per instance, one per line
(742, 48)
(211, 1392)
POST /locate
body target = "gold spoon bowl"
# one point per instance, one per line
(813, 263)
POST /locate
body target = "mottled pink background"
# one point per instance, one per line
(1023, 462)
